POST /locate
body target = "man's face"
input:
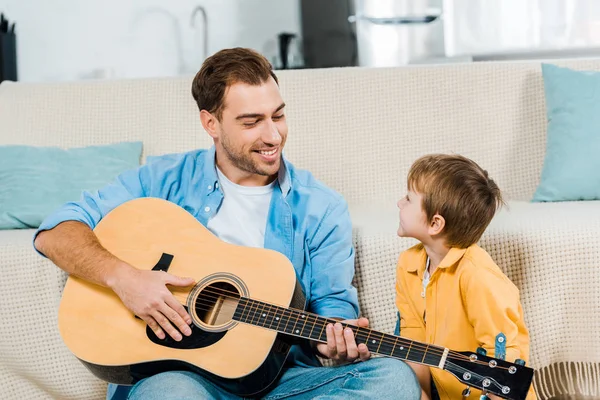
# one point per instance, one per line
(252, 130)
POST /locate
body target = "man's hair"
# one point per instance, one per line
(225, 68)
(459, 190)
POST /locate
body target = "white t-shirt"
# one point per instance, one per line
(242, 216)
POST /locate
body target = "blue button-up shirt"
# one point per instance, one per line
(307, 222)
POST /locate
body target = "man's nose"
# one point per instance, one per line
(271, 134)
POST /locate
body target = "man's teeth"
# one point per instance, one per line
(268, 153)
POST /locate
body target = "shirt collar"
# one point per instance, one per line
(211, 178)
(454, 256)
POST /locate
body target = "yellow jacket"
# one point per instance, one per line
(468, 302)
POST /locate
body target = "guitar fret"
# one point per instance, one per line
(304, 317)
(244, 306)
(255, 313)
(358, 334)
(269, 318)
(250, 313)
(287, 322)
(323, 330)
(294, 330)
(285, 317)
(386, 345)
(304, 324)
(312, 328)
(424, 353)
(408, 351)
(374, 341)
(278, 317)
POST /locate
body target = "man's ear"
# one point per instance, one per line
(209, 123)
(436, 226)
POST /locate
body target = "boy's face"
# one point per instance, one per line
(413, 220)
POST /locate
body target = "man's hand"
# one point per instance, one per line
(145, 293)
(341, 346)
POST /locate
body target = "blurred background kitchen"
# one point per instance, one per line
(62, 40)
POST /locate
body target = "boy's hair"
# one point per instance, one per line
(223, 69)
(459, 190)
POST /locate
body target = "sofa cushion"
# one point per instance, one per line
(38, 180)
(571, 168)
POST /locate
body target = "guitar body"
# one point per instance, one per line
(118, 347)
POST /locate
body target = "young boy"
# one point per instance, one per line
(449, 291)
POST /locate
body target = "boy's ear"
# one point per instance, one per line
(436, 226)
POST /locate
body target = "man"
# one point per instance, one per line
(246, 193)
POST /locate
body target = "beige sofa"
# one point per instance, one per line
(358, 130)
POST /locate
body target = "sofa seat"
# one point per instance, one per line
(34, 362)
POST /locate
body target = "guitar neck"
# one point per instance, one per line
(310, 326)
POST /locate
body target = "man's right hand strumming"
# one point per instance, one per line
(73, 247)
(145, 293)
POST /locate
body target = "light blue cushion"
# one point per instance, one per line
(34, 181)
(571, 168)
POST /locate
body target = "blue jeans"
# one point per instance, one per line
(378, 378)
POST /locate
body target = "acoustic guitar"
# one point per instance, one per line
(247, 307)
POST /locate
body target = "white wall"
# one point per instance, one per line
(62, 40)
(496, 26)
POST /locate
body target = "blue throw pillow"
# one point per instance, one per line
(35, 181)
(571, 168)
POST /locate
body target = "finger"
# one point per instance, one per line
(178, 315)
(177, 280)
(351, 348)
(323, 350)
(331, 347)
(363, 352)
(362, 322)
(340, 343)
(166, 325)
(155, 327)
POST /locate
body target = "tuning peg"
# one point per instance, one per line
(481, 351)
(520, 362)
(467, 392)
(484, 395)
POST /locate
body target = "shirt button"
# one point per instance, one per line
(209, 187)
(217, 185)
(207, 209)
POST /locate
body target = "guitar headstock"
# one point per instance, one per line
(502, 378)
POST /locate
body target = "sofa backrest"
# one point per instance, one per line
(357, 129)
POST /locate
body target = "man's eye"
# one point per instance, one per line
(250, 124)
(278, 117)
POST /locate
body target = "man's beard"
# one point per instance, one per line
(243, 161)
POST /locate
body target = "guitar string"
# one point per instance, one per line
(318, 324)
(413, 345)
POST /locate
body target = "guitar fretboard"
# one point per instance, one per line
(310, 326)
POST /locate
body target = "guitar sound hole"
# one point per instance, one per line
(216, 303)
